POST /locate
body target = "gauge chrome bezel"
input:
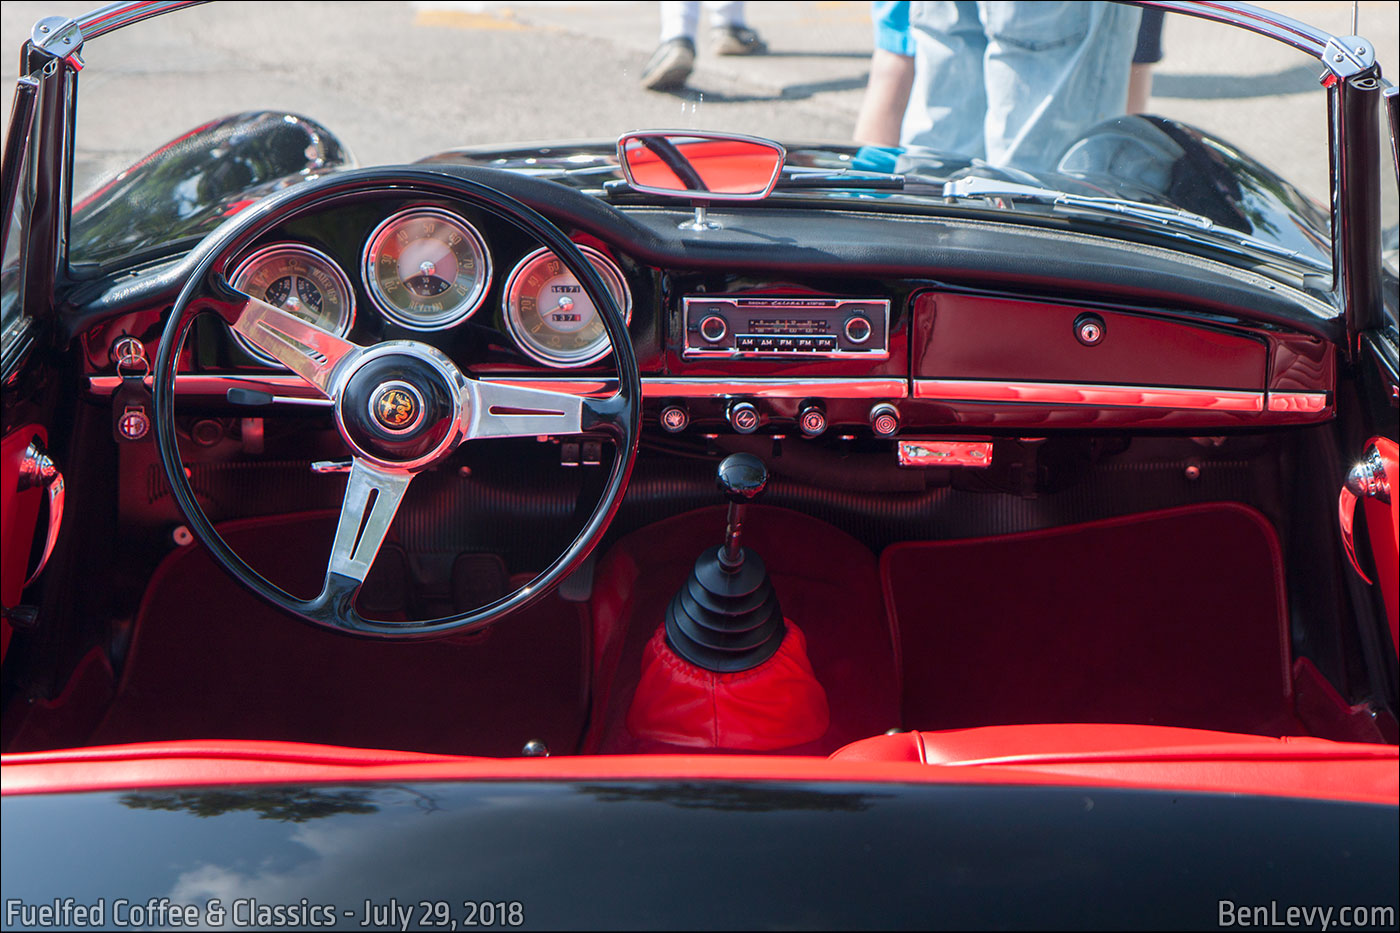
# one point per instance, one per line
(608, 271)
(291, 246)
(460, 311)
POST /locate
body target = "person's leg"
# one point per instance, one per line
(1139, 87)
(729, 33)
(947, 102)
(891, 76)
(1052, 70)
(674, 58)
(1147, 54)
(679, 20)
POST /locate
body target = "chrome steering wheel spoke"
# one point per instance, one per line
(372, 497)
(502, 410)
(305, 349)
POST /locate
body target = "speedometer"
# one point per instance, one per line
(301, 280)
(551, 317)
(426, 268)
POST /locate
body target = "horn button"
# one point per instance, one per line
(397, 409)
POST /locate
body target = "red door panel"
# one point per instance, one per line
(19, 511)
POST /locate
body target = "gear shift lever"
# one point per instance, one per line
(742, 477)
(726, 616)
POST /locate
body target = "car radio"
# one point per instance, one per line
(756, 326)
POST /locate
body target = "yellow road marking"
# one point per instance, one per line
(460, 19)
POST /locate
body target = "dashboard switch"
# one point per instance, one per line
(884, 419)
(811, 420)
(743, 417)
(675, 418)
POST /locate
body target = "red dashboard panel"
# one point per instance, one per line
(973, 337)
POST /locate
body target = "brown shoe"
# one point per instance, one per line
(737, 40)
(669, 65)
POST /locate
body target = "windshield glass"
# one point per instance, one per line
(1091, 99)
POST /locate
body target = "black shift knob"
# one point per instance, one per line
(742, 477)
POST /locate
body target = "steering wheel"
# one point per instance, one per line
(401, 406)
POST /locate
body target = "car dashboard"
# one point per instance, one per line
(780, 322)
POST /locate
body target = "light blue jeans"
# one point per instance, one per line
(1015, 83)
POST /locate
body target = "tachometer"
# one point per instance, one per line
(427, 268)
(301, 280)
(549, 314)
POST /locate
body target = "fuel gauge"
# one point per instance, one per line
(299, 279)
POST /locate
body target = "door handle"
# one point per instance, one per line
(1367, 479)
(37, 469)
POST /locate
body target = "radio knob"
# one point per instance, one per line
(858, 329)
(884, 419)
(811, 420)
(674, 418)
(713, 328)
(743, 417)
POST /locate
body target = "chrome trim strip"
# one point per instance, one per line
(1276, 26)
(285, 388)
(113, 16)
(1103, 396)
(599, 387)
(775, 388)
(293, 390)
(1297, 401)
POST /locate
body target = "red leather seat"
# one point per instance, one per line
(1154, 756)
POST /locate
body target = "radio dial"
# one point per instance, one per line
(713, 328)
(858, 329)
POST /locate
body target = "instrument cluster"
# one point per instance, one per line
(429, 269)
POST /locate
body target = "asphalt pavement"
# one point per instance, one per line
(397, 81)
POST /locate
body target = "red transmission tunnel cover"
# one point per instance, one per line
(775, 705)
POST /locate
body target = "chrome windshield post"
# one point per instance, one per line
(1354, 110)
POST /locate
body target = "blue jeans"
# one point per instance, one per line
(1015, 83)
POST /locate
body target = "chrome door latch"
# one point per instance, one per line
(1368, 479)
(37, 470)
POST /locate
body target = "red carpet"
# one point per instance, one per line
(1175, 618)
(208, 660)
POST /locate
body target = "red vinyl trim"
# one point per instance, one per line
(1321, 770)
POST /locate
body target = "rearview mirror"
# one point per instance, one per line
(702, 166)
